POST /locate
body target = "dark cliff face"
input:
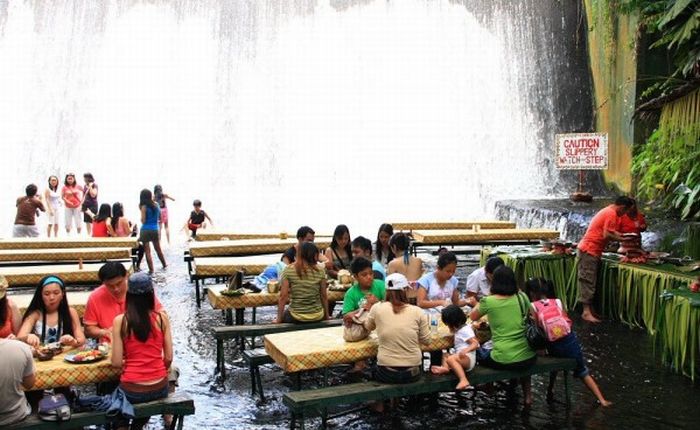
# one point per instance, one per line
(547, 43)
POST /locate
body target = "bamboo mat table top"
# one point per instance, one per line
(76, 299)
(465, 237)
(246, 247)
(59, 373)
(208, 235)
(451, 225)
(253, 300)
(70, 273)
(69, 242)
(65, 254)
(225, 266)
(295, 351)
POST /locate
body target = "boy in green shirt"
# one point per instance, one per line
(363, 293)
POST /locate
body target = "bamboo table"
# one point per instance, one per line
(324, 347)
(220, 248)
(224, 266)
(65, 254)
(472, 237)
(678, 331)
(59, 373)
(70, 273)
(252, 300)
(232, 235)
(87, 242)
(451, 225)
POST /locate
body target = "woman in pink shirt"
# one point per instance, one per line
(72, 196)
(142, 345)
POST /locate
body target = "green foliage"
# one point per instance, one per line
(692, 243)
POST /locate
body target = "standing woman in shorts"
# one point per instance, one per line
(161, 198)
(72, 197)
(53, 200)
(89, 201)
(150, 214)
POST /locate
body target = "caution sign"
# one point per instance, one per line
(582, 151)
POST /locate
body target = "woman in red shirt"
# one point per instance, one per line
(99, 223)
(72, 196)
(142, 345)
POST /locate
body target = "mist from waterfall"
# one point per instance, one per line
(281, 113)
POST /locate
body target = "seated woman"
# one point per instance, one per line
(439, 288)
(382, 250)
(304, 286)
(504, 308)
(339, 254)
(118, 225)
(404, 263)
(401, 329)
(99, 222)
(142, 345)
(49, 319)
(10, 318)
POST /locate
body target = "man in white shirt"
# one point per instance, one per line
(16, 372)
(479, 281)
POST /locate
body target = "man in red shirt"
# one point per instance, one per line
(633, 221)
(604, 227)
(107, 301)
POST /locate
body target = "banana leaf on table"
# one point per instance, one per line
(678, 331)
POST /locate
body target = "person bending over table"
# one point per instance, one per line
(439, 288)
(401, 329)
(143, 346)
(479, 281)
(304, 286)
(505, 307)
(17, 372)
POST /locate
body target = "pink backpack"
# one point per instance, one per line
(551, 318)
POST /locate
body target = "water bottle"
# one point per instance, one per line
(433, 322)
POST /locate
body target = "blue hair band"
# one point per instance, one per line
(52, 280)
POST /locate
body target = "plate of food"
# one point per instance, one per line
(85, 356)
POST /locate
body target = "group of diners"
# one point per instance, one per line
(122, 312)
(387, 276)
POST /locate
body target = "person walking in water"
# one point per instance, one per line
(160, 198)
(52, 201)
(150, 213)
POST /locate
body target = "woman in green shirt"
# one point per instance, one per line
(503, 307)
(304, 286)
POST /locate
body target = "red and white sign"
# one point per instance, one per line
(582, 151)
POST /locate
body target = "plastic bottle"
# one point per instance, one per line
(433, 322)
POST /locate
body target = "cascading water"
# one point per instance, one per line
(282, 113)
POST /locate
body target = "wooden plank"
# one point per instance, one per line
(466, 237)
(220, 248)
(76, 299)
(451, 225)
(310, 400)
(225, 266)
(65, 254)
(253, 300)
(70, 273)
(178, 403)
(209, 235)
(229, 332)
(74, 242)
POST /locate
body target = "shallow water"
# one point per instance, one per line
(646, 395)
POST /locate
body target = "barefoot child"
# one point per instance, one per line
(464, 357)
(541, 294)
(196, 219)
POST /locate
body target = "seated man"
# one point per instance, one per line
(479, 281)
(362, 247)
(17, 371)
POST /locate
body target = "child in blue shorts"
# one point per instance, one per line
(567, 346)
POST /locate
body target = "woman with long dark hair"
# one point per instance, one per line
(142, 345)
(118, 225)
(72, 196)
(89, 206)
(10, 318)
(382, 250)
(404, 263)
(52, 200)
(99, 223)
(161, 198)
(48, 317)
(150, 214)
(304, 285)
(339, 254)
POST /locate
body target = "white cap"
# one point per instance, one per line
(396, 281)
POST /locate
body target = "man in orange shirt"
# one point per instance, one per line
(604, 227)
(633, 221)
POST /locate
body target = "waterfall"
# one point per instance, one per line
(277, 113)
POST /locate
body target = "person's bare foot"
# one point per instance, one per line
(605, 403)
(462, 385)
(439, 370)
(588, 316)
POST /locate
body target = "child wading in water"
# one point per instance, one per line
(464, 357)
(566, 345)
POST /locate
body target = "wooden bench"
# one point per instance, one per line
(177, 404)
(316, 401)
(240, 332)
(256, 358)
